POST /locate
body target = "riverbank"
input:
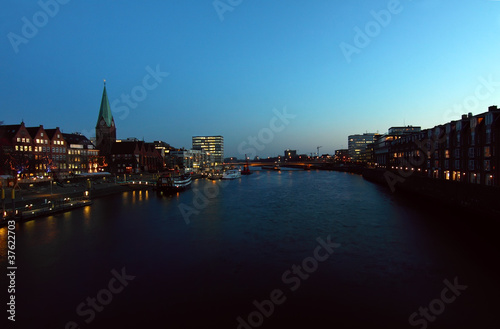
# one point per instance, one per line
(391, 254)
(353, 169)
(38, 203)
(39, 200)
(36, 197)
(472, 198)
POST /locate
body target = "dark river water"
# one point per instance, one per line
(291, 249)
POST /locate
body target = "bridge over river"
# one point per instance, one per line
(287, 164)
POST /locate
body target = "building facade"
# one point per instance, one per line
(82, 156)
(213, 145)
(133, 156)
(192, 160)
(58, 153)
(357, 146)
(465, 150)
(404, 130)
(342, 156)
(39, 152)
(383, 145)
(17, 151)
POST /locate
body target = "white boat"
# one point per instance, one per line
(170, 183)
(231, 174)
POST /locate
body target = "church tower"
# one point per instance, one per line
(105, 130)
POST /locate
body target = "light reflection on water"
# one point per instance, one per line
(3, 244)
(238, 244)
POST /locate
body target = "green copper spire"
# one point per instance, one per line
(105, 111)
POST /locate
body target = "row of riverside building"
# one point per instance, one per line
(35, 151)
(27, 152)
(465, 150)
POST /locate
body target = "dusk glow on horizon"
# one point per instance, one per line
(287, 74)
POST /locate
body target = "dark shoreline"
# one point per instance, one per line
(471, 198)
(40, 201)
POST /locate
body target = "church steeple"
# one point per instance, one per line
(105, 111)
(105, 130)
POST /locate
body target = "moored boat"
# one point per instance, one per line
(170, 182)
(246, 171)
(214, 175)
(246, 168)
(231, 174)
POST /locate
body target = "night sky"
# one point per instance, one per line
(176, 69)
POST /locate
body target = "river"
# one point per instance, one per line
(270, 250)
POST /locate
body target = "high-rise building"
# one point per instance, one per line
(214, 145)
(105, 130)
(357, 146)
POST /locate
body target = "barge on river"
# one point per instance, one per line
(172, 182)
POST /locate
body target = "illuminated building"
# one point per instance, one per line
(357, 146)
(342, 156)
(214, 145)
(81, 154)
(464, 150)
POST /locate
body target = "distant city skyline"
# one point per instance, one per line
(177, 70)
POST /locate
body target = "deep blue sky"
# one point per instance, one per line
(226, 76)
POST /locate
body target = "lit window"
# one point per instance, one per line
(487, 151)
